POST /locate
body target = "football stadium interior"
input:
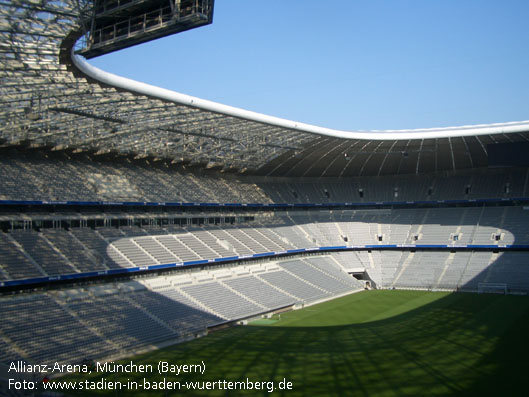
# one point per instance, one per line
(137, 218)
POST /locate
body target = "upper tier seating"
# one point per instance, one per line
(30, 177)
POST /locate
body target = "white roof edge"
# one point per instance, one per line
(183, 99)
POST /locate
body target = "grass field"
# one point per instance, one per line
(375, 343)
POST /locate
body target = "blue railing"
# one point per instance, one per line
(260, 205)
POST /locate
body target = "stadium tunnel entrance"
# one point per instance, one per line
(363, 276)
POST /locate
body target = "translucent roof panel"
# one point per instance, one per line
(48, 99)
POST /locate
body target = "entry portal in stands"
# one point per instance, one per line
(116, 24)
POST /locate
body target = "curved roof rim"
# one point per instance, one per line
(183, 99)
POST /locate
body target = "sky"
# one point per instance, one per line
(350, 64)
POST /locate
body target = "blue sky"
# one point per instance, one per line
(350, 64)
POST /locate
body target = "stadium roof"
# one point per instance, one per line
(52, 99)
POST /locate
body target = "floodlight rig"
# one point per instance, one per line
(117, 24)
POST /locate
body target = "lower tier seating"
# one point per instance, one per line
(112, 320)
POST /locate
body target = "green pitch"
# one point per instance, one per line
(376, 343)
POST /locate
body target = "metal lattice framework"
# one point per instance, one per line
(46, 100)
(43, 102)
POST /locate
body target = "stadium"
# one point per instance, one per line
(149, 238)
